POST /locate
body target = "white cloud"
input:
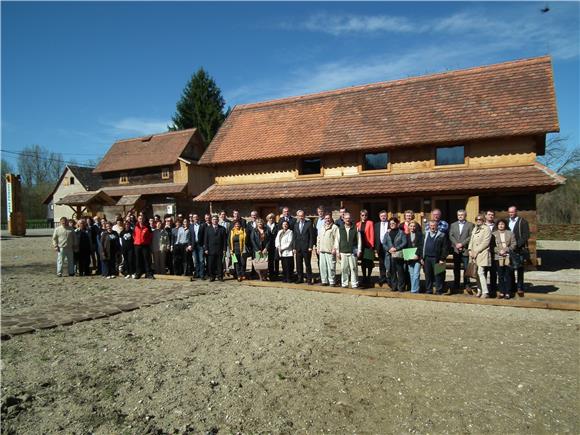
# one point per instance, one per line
(141, 126)
(341, 24)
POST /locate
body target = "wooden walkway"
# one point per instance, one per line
(530, 300)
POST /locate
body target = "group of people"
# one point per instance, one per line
(216, 246)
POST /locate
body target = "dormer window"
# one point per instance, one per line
(165, 174)
(123, 178)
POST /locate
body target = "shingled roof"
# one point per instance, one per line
(161, 149)
(536, 177)
(507, 99)
(86, 176)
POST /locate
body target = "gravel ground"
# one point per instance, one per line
(263, 360)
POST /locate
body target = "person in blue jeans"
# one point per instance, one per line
(415, 240)
(197, 235)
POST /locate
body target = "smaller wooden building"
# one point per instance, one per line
(73, 180)
(157, 173)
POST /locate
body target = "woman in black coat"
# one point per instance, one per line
(273, 260)
(260, 238)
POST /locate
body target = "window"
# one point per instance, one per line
(165, 173)
(375, 161)
(123, 178)
(310, 166)
(450, 156)
(72, 180)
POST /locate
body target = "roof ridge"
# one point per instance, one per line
(398, 82)
(166, 133)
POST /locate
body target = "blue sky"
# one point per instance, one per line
(78, 76)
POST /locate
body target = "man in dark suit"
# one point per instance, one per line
(223, 221)
(521, 229)
(197, 231)
(285, 216)
(381, 228)
(303, 243)
(459, 236)
(340, 221)
(215, 246)
(251, 225)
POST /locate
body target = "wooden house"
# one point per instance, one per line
(157, 174)
(460, 139)
(74, 180)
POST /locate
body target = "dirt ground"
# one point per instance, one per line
(242, 359)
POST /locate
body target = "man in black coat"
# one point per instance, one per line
(197, 231)
(215, 245)
(381, 229)
(435, 249)
(286, 217)
(303, 242)
(521, 229)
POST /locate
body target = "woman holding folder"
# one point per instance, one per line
(394, 242)
(237, 244)
(412, 255)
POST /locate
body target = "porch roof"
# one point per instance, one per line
(536, 177)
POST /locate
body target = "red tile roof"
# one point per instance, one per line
(161, 149)
(507, 99)
(536, 178)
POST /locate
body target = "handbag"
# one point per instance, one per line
(471, 270)
(260, 262)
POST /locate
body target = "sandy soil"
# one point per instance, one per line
(262, 360)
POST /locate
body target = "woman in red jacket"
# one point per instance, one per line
(367, 233)
(142, 236)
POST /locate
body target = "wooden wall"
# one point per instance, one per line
(489, 153)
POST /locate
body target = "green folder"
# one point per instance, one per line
(439, 268)
(409, 253)
(369, 254)
(234, 259)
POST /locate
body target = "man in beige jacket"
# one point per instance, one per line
(327, 249)
(63, 240)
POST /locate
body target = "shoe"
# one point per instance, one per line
(344, 286)
(324, 284)
(507, 296)
(134, 276)
(113, 276)
(520, 293)
(310, 282)
(239, 279)
(59, 275)
(500, 295)
(212, 279)
(449, 292)
(203, 278)
(107, 277)
(485, 296)
(478, 295)
(354, 286)
(222, 278)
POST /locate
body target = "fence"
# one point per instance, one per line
(32, 224)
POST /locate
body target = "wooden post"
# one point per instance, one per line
(472, 208)
(16, 218)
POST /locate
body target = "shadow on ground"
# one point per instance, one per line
(553, 260)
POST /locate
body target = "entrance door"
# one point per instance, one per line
(449, 207)
(265, 209)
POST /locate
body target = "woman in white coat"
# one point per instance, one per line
(285, 246)
(479, 253)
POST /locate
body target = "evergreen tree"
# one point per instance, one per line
(201, 106)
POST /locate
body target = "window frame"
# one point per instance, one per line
(123, 178)
(165, 173)
(300, 166)
(362, 159)
(451, 165)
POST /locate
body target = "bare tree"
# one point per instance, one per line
(559, 156)
(39, 166)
